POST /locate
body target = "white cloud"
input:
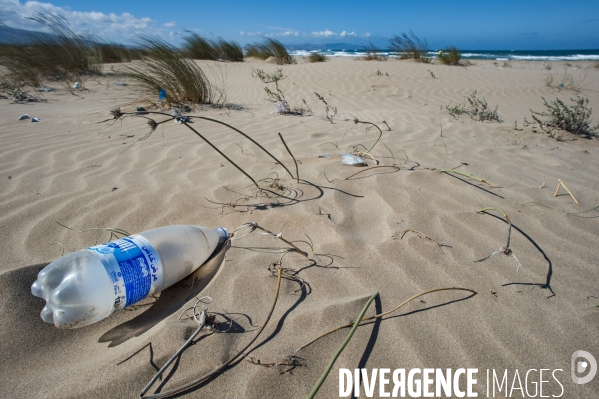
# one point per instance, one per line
(324, 33)
(343, 34)
(257, 33)
(171, 24)
(14, 14)
(348, 34)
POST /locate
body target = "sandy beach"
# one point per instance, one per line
(397, 230)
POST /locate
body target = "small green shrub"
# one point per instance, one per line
(329, 112)
(408, 46)
(476, 108)
(267, 77)
(316, 57)
(560, 117)
(451, 56)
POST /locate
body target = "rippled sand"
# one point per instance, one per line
(68, 169)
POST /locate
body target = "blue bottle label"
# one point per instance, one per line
(134, 268)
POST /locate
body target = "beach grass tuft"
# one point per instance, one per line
(64, 55)
(166, 68)
(565, 81)
(199, 48)
(316, 57)
(409, 46)
(270, 48)
(373, 53)
(451, 56)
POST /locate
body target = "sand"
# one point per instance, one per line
(68, 169)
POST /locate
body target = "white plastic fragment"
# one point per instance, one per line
(282, 107)
(27, 116)
(43, 88)
(352, 160)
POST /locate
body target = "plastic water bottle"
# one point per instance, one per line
(86, 286)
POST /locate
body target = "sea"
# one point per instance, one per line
(502, 55)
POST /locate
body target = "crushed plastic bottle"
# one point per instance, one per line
(86, 286)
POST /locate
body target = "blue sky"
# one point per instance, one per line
(509, 25)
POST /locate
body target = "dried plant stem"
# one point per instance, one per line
(118, 114)
(562, 184)
(249, 138)
(231, 359)
(506, 250)
(403, 233)
(370, 123)
(223, 155)
(289, 151)
(384, 313)
(373, 167)
(594, 208)
(341, 348)
(480, 179)
(201, 324)
(280, 237)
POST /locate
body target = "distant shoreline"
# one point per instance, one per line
(497, 55)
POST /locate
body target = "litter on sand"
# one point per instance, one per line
(282, 108)
(27, 116)
(120, 83)
(76, 86)
(43, 88)
(352, 160)
(324, 155)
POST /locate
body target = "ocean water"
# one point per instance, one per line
(524, 55)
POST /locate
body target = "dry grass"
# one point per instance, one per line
(451, 56)
(409, 46)
(166, 68)
(270, 48)
(316, 57)
(64, 55)
(373, 54)
(200, 48)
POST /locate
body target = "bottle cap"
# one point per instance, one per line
(224, 235)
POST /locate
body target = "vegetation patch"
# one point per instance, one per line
(559, 118)
(476, 108)
(166, 70)
(409, 46)
(316, 57)
(200, 48)
(270, 48)
(450, 56)
(62, 56)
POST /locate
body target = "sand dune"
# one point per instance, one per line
(70, 170)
